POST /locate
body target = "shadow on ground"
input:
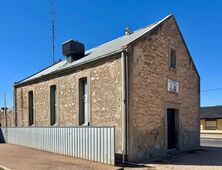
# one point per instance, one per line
(2, 139)
(206, 156)
(133, 166)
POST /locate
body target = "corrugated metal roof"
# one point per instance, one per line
(211, 112)
(101, 51)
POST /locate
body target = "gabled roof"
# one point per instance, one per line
(211, 112)
(104, 50)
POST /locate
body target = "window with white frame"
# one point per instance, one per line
(83, 102)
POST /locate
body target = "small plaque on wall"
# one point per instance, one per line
(173, 86)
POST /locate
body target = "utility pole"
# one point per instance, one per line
(5, 111)
(5, 115)
(53, 30)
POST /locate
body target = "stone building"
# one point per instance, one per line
(144, 83)
(10, 118)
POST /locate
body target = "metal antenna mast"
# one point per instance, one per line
(53, 30)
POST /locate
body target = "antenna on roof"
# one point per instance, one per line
(53, 30)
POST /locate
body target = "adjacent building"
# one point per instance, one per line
(211, 119)
(144, 83)
(7, 117)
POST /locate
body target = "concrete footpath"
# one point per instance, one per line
(23, 158)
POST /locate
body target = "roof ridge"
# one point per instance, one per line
(119, 37)
(139, 29)
(211, 106)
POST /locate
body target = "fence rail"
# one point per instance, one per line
(90, 143)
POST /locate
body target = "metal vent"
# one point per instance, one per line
(128, 31)
(172, 58)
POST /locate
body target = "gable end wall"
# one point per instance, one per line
(149, 99)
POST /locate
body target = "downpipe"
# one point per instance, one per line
(123, 69)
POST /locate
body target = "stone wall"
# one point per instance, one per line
(104, 80)
(202, 124)
(149, 97)
(219, 124)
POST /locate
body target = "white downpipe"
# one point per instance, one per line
(123, 64)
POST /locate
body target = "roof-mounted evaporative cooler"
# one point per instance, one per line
(73, 50)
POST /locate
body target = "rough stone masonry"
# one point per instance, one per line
(148, 97)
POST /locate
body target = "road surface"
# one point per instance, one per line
(211, 142)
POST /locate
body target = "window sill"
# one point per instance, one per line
(56, 124)
(171, 92)
(85, 124)
(172, 69)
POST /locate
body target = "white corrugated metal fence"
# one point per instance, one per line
(90, 142)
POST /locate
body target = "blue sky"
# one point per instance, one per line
(25, 34)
